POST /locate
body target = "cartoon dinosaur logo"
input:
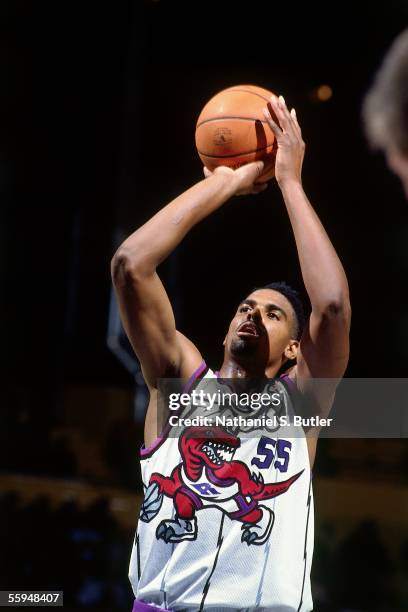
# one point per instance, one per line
(208, 476)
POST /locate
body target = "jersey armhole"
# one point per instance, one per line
(292, 390)
(198, 374)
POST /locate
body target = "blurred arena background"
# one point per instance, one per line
(99, 110)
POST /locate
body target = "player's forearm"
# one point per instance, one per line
(322, 271)
(149, 245)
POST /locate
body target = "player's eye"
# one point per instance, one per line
(244, 308)
(273, 315)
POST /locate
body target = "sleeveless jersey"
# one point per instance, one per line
(237, 537)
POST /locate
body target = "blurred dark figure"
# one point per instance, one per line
(385, 109)
(363, 572)
(84, 553)
(24, 442)
(63, 463)
(326, 464)
(322, 569)
(121, 452)
(27, 447)
(402, 576)
(9, 523)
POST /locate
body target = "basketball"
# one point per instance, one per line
(232, 130)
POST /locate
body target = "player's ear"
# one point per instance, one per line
(225, 341)
(292, 349)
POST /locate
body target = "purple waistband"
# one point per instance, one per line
(141, 606)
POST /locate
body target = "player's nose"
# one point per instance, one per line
(256, 314)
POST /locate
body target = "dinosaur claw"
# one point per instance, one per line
(169, 533)
(245, 536)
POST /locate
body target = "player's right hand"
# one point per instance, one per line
(290, 144)
(242, 178)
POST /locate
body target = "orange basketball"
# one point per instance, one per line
(232, 130)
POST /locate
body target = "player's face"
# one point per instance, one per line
(263, 329)
(399, 165)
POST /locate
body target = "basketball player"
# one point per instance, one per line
(227, 521)
(385, 109)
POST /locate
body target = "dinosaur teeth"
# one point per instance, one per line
(209, 452)
(225, 455)
(218, 452)
(219, 445)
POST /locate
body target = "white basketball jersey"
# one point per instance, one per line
(235, 537)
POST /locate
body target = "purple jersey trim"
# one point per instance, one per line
(243, 505)
(141, 606)
(290, 382)
(227, 482)
(194, 377)
(198, 504)
(148, 450)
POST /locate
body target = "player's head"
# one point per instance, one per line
(267, 327)
(385, 108)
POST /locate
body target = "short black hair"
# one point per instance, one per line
(295, 301)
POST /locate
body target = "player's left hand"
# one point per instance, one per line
(243, 178)
(290, 144)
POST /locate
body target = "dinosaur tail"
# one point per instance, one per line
(276, 488)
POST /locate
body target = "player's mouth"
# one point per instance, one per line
(218, 452)
(248, 329)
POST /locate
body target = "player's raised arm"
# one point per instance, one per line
(324, 347)
(145, 308)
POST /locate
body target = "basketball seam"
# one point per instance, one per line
(236, 154)
(230, 117)
(251, 92)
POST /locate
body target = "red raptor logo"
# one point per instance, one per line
(209, 477)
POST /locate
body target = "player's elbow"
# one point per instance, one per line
(126, 266)
(336, 307)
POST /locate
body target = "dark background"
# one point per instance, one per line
(99, 104)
